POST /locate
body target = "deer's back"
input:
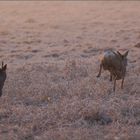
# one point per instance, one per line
(111, 61)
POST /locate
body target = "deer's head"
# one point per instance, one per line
(123, 58)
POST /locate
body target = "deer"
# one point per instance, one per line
(116, 64)
(2, 77)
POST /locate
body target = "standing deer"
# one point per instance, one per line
(115, 63)
(2, 76)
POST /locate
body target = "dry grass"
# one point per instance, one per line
(51, 91)
(62, 101)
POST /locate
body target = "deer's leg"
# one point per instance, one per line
(114, 87)
(110, 77)
(99, 74)
(122, 83)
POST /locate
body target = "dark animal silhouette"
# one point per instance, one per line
(2, 76)
(115, 63)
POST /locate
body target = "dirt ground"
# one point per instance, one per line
(52, 50)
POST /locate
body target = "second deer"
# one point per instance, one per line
(2, 76)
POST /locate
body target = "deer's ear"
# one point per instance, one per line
(2, 64)
(4, 67)
(119, 54)
(126, 53)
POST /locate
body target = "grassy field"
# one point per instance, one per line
(52, 50)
